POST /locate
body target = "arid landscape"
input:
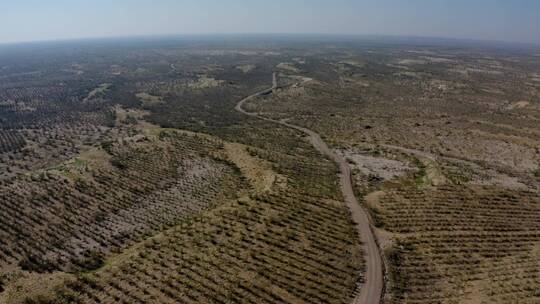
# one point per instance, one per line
(269, 170)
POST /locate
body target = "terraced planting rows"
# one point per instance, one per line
(272, 249)
(44, 114)
(294, 243)
(99, 206)
(46, 147)
(69, 217)
(32, 139)
(461, 243)
(10, 141)
(462, 208)
(103, 212)
(465, 218)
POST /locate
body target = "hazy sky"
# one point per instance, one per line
(508, 20)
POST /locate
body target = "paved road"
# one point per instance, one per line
(371, 291)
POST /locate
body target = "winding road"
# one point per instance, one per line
(371, 291)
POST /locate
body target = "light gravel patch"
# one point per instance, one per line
(246, 68)
(205, 82)
(288, 67)
(386, 169)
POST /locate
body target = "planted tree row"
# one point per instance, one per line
(66, 220)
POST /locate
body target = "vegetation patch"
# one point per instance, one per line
(98, 92)
(149, 100)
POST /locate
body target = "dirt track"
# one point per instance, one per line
(371, 291)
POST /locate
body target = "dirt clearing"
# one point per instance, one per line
(259, 174)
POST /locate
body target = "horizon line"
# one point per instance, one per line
(348, 35)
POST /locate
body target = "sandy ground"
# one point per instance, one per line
(386, 169)
(518, 105)
(259, 174)
(246, 68)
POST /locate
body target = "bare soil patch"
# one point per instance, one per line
(149, 100)
(259, 173)
(246, 68)
(518, 105)
(433, 173)
(205, 82)
(97, 91)
(386, 169)
(288, 67)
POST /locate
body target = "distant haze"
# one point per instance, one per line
(504, 20)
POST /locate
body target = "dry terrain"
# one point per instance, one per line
(446, 153)
(380, 167)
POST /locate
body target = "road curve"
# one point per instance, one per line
(371, 291)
